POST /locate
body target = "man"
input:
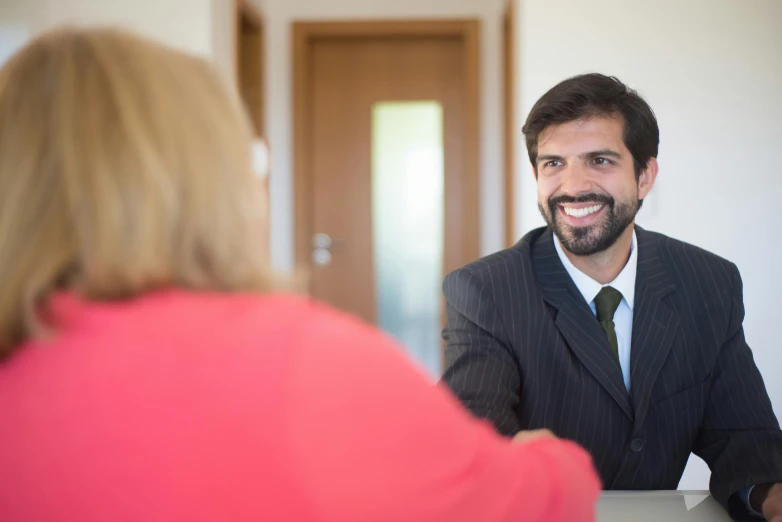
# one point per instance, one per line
(626, 341)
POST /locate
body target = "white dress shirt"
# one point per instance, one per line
(625, 283)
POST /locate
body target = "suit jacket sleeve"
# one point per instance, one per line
(739, 438)
(480, 367)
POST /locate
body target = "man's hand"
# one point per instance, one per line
(526, 436)
(772, 506)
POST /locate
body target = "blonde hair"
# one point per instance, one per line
(125, 167)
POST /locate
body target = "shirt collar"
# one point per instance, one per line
(589, 288)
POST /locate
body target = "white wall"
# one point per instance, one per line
(16, 20)
(185, 24)
(279, 14)
(201, 27)
(12, 37)
(712, 71)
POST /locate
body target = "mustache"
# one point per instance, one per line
(582, 198)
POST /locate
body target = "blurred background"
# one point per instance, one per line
(394, 132)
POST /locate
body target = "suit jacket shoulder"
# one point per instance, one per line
(509, 260)
(699, 265)
(707, 284)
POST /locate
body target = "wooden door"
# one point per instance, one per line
(348, 79)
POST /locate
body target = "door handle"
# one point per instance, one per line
(322, 246)
(321, 240)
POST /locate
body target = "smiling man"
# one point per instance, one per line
(626, 341)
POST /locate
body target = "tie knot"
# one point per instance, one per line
(606, 303)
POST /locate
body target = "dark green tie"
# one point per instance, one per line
(606, 303)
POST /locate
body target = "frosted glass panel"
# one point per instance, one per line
(407, 226)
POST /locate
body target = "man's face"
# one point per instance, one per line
(587, 189)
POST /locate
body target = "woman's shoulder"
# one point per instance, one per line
(293, 318)
(293, 310)
(312, 322)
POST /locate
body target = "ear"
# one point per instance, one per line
(647, 178)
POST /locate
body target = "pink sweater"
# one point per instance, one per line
(230, 408)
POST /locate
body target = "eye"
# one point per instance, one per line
(602, 161)
(552, 163)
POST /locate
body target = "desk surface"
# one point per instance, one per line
(659, 506)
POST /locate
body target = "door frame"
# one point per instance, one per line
(250, 62)
(512, 132)
(305, 34)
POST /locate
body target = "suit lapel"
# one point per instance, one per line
(654, 324)
(576, 322)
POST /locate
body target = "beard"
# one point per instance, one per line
(594, 238)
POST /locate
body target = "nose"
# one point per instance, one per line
(575, 180)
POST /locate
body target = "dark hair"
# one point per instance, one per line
(590, 95)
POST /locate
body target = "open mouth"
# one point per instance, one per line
(582, 212)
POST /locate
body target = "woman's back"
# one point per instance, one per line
(194, 406)
(163, 409)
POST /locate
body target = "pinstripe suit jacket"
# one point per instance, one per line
(525, 351)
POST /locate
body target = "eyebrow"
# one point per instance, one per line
(598, 153)
(587, 155)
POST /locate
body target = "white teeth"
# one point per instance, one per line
(581, 212)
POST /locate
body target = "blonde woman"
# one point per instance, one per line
(151, 372)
